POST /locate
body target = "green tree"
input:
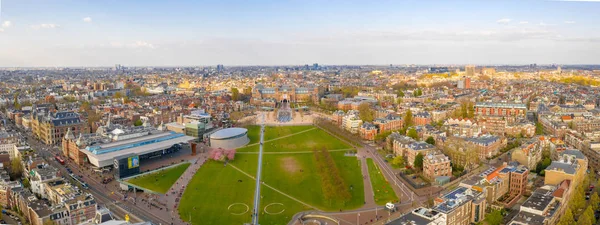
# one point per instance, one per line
(542, 165)
(85, 106)
(539, 129)
(430, 140)
(138, 123)
(400, 93)
(398, 161)
(595, 201)
(494, 217)
(567, 218)
(247, 91)
(235, 94)
(26, 183)
(577, 202)
(587, 218)
(382, 136)
(16, 103)
(413, 133)
(419, 161)
(118, 95)
(365, 112)
(408, 119)
(16, 168)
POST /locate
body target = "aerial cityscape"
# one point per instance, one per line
(299, 113)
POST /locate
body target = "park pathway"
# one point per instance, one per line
(174, 194)
(369, 194)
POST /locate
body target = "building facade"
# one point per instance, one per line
(500, 109)
(51, 127)
(284, 93)
(435, 165)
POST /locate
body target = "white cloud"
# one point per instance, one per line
(545, 24)
(87, 19)
(569, 22)
(45, 26)
(504, 21)
(1, 30)
(6, 24)
(523, 22)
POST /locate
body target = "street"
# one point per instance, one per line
(101, 192)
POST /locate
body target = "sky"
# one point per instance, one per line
(255, 32)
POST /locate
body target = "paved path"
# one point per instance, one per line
(284, 136)
(259, 173)
(369, 194)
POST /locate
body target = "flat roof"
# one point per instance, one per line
(228, 132)
(539, 200)
(139, 150)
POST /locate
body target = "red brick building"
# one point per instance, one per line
(487, 145)
(368, 131)
(421, 118)
(500, 109)
(389, 123)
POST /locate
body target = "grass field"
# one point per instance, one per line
(273, 132)
(210, 193)
(382, 191)
(297, 175)
(160, 181)
(305, 141)
(294, 174)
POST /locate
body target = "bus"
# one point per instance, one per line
(83, 184)
(60, 160)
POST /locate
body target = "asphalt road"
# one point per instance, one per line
(101, 194)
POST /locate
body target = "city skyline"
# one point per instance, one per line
(153, 33)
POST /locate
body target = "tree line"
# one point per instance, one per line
(332, 183)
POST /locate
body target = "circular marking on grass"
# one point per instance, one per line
(273, 213)
(237, 214)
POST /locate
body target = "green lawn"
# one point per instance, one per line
(273, 132)
(215, 186)
(383, 192)
(160, 181)
(306, 141)
(253, 133)
(276, 203)
(219, 187)
(297, 175)
(212, 190)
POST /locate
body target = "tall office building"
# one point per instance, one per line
(220, 68)
(470, 70)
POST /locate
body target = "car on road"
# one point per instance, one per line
(69, 170)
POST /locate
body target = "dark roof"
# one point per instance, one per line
(527, 218)
(539, 200)
(569, 168)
